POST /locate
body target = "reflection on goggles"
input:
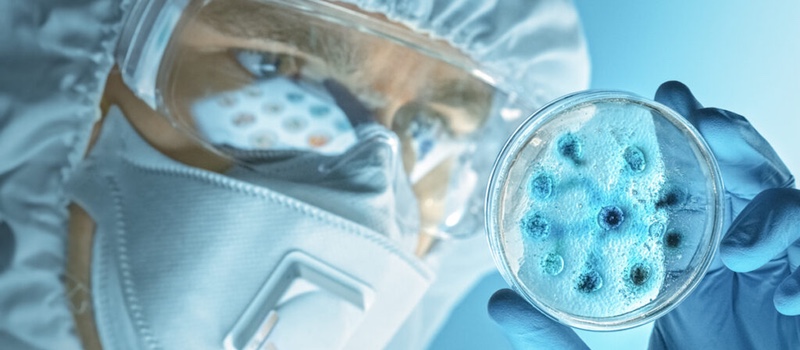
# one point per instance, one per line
(274, 112)
(247, 75)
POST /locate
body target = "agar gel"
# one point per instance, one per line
(592, 205)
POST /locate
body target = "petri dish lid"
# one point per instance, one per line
(604, 210)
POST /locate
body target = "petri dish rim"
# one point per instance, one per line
(499, 177)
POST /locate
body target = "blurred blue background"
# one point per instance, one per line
(739, 55)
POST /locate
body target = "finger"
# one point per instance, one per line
(747, 162)
(526, 327)
(787, 295)
(677, 96)
(766, 227)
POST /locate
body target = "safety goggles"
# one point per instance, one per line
(250, 77)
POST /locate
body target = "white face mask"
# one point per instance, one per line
(185, 258)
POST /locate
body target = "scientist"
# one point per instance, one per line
(750, 298)
(257, 174)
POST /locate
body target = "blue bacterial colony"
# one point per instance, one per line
(592, 223)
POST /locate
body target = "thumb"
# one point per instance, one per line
(528, 328)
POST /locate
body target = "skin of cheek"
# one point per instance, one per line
(78, 287)
(160, 133)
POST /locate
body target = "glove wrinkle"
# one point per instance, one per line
(787, 295)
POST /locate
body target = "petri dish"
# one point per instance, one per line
(604, 210)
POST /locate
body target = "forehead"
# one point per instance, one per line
(389, 64)
(276, 20)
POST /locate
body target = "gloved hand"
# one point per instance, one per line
(752, 303)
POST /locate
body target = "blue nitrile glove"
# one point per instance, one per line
(748, 305)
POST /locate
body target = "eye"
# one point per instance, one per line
(268, 64)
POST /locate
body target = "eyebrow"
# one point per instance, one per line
(271, 23)
(267, 22)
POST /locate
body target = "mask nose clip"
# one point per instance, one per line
(377, 145)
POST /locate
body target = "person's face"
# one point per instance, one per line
(396, 83)
(384, 75)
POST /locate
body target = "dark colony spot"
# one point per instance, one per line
(570, 146)
(635, 159)
(610, 217)
(673, 239)
(534, 225)
(589, 282)
(294, 97)
(639, 274)
(542, 186)
(671, 198)
(552, 264)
